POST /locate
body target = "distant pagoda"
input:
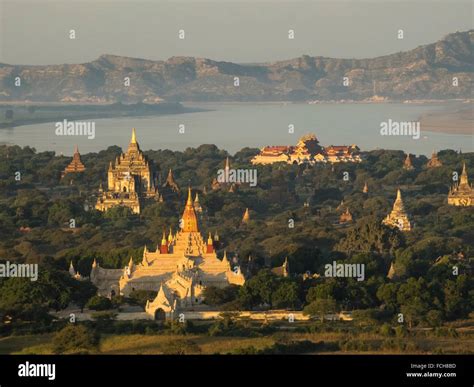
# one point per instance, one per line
(170, 189)
(434, 162)
(197, 204)
(129, 181)
(246, 217)
(408, 164)
(346, 217)
(366, 188)
(75, 165)
(398, 217)
(462, 193)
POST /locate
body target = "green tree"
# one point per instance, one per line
(99, 303)
(286, 295)
(320, 307)
(74, 338)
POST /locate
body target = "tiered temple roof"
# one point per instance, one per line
(75, 165)
(130, 180)
(462, 193)
(398, 217)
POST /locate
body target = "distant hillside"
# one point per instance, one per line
(425, 72)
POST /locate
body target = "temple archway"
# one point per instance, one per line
(160, 315)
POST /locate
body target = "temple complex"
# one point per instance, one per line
(307, 151)
(179, 270)
(434, 161)
(75, 165)
(461, 193)
(398, 217)
(129, 181)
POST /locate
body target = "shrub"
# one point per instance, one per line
(74, 338)
(99, 303)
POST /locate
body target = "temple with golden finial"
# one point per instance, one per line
(462, 193)
(407, 164)
(129, 181)
(434, 161)
(398, 217)
(75, 165)
(179, 270)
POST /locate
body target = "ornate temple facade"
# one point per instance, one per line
(307, 151)
(462, 193)
(75, 165)
(398, 217)
(178, 270)
(129, 181)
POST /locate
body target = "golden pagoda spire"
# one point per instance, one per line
(398, 205)
(189, 219)
(170, 236)
(189, 202)
(246, 216)
(464, 179)
(163, 240)
(134, 137)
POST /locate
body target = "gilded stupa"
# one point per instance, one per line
(129, 180)
(75, 165)
(246, 216)
(398, 217)
(179, 270)
(462, 193)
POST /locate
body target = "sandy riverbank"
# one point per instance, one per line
(459, 121)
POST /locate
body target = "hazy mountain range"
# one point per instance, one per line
(425, 72)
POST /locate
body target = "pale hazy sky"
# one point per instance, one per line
(37, 32)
